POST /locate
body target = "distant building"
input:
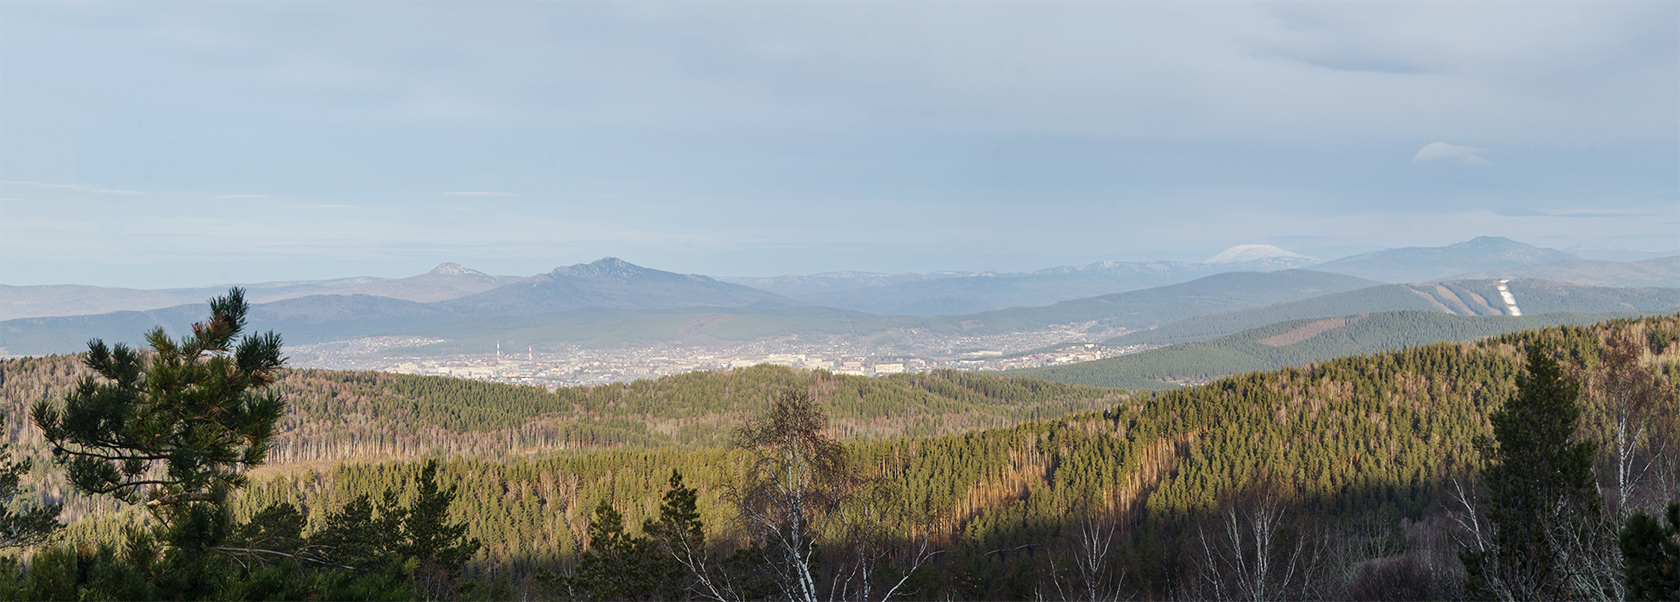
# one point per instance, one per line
(889, 368)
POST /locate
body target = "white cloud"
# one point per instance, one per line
(1441, 152)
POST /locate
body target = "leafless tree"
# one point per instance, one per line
(1589, 559)
(1475, 533)
(1640, 406)
(1254, 554)
(799, 495)
(1091, 554)
(869, 561)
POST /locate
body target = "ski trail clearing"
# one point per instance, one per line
(1510, 301)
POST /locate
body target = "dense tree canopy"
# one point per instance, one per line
(1365, 446)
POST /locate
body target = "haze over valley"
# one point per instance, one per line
(613, 321)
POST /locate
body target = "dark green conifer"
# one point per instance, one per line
(175, 425)
(619, 566)
(1538, 478)
(439, 547)
(1651, 550)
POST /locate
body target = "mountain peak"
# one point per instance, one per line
(1244, 253)
(1428, 264)
(605, 267)
(1489, 241)
(1505, 248)
(455, 269)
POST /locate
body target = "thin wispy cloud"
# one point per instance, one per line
(1441, 152)
(1595, 214)
(1523, 212)
(243, 196)
(41, 184)
(86, 187)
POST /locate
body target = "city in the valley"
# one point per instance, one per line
(561, 365)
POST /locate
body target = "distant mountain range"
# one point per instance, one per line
(931, 294)
(950, 293)
(1135, 309)
(1244, 287)
(1463, 297)
(608, 283)
(953, 293)
(447, 281)
(624, 306)
(1428, 264)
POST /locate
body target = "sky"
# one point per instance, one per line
(173, 144)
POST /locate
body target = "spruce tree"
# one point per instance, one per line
(620, 566)
(1538, 478)
(440, 547)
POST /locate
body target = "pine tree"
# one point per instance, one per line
(179, 424)
(1652, 551)
(1538, 478)
(439, 547)
(619, 566)
(681, 538)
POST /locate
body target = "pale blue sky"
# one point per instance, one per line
(159, 144)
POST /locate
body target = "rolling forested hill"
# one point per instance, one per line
(1295, 343)
(1364, 444)
(339, 415)
(1660, 271)
(1359, 451)
(1464, 297)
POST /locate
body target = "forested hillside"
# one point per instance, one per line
(1464, 297)
(1363, 445)
(1353, 460)
(1295, 343)
(336, 415)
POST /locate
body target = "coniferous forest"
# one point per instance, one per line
(1535, 465)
